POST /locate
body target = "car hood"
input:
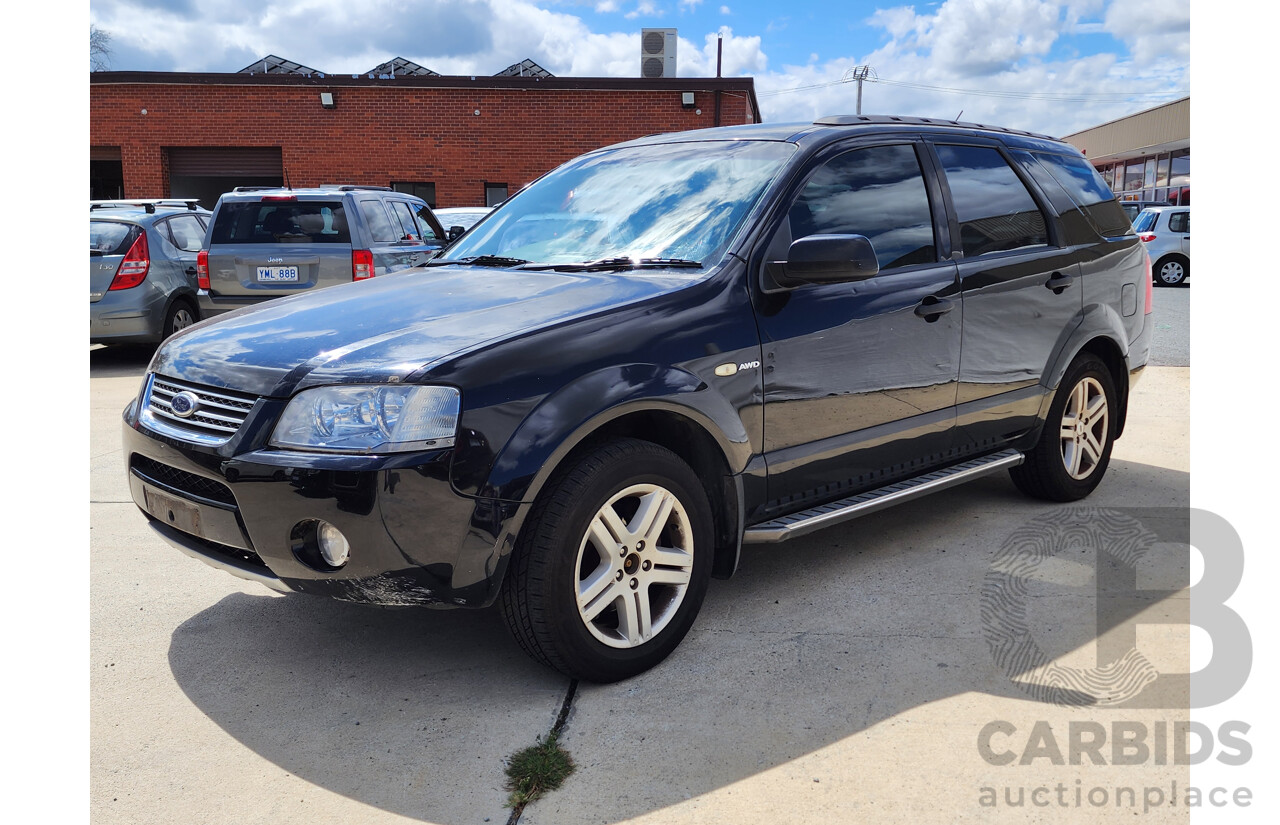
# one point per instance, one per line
(390, 327)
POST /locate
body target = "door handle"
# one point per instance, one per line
(191, 270)
(933, 308)
(1059, 282)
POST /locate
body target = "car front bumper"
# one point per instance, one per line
(414, 541)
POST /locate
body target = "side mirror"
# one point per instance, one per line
(826, 259)
(455, 232)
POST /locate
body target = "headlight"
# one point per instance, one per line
(370, 419)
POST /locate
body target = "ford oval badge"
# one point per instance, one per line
(185, 404)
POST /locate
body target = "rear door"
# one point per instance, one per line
(274, 246)
(1019, 283)
(400, 239)
(182, 237)
(1180, 225)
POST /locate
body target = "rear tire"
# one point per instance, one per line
(182, 314)
(610, 570)
(1171, 270)
(1074, 449)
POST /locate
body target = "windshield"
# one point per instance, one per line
(1145, 221)
(666, 203)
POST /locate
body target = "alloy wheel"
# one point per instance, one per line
(634, 566)
(1085, 428)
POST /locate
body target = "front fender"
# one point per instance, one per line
(566, 417)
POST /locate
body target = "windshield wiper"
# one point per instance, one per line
(621, 264)
(479, 260)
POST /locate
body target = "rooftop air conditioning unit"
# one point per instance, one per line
(657, 53)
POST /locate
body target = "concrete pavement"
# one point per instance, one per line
(842, 677)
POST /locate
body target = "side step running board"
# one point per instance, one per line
(825, 515)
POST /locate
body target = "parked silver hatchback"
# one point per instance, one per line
(267, 243)
(1166, 230)
(142, 268)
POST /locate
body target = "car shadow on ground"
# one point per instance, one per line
(120, 360)
(812, 642)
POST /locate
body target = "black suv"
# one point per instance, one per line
(655, 353)
(264, 243)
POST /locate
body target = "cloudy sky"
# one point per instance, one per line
(1041, 65)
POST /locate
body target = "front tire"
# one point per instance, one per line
(612, 566)
(1074, 449)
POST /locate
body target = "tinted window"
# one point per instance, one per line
(291, 222)
(109, 237)
(1078, 177)
(877, 192)
(410, 230)
(380, 226)
(1180, 222)
(995, 210)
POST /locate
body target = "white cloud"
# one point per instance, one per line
(607, 6)
(690, 4)
(645, 8)
(1152, 31)
(997, 58)
(725, 10)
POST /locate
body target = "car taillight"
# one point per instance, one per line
(202, 269)
(1147, 258)
(279, 197)
(361, 264)
(133, 269)
(1146, 237)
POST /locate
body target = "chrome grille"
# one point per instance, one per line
(218, 416)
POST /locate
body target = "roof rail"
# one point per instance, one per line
(352, 187)
(856, 120)
(149, 204)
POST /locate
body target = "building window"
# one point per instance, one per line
(426, 191)
(1133, 176)
(494, 193)
(1162, 172)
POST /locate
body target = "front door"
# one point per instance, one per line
(860, 377)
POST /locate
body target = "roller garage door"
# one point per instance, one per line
(205, 172)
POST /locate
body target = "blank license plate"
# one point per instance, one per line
(172, 511)
(278, 274)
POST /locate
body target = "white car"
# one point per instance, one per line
(1166, 230)
(464, 216)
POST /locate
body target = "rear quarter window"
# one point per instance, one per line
(288, 222)
(1090, 192)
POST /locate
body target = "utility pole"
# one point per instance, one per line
(860, 73)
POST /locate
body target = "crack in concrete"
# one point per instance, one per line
(554, 733)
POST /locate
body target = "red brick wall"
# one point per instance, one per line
(380, 135)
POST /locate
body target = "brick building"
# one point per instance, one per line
(456, 141)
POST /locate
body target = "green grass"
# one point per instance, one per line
(537, 769)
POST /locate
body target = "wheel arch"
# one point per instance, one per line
(1100, 333)
(684, 430)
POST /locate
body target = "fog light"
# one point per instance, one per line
(334, 548)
